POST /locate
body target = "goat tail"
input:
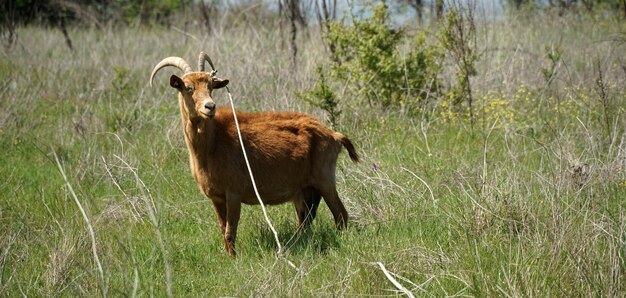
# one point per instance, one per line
(349, 146)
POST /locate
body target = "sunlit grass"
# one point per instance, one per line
(527, 203)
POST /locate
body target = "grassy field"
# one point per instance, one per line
(531, 201)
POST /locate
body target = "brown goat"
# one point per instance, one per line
(292, 155)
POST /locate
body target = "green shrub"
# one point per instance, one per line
(148, 11)
(368, 60)
(458, 38)
(323, 97)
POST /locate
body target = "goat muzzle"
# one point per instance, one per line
(209, 108)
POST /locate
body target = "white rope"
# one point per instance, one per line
(394, 281)
(256, 191)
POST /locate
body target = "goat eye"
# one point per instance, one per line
(189, 89)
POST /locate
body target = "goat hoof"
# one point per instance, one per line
(341, 225)
(231, 250)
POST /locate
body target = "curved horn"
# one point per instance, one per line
(204, 56)
(177, 62)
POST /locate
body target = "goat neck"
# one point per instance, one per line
(197, 110)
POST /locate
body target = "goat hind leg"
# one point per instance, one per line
(331, 197)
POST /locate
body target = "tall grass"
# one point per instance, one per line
(527, 205)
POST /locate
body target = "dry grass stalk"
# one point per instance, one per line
(92, 234)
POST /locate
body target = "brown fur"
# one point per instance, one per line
(292, 156)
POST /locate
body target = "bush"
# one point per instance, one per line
(368, 60)
(458, 38)
(90, 12)
(323, 97)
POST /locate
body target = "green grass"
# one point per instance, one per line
(532, 207)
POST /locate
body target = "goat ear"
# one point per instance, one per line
(177, 82)
(219, 83)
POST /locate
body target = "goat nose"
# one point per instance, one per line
(209, 106)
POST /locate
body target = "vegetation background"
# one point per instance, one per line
(493, 148)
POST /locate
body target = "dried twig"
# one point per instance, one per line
(432, 196)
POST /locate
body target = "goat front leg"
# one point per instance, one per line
(312, 198)
(219, 205)
(233, 212)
